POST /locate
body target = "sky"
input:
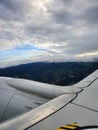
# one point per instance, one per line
(48, 30)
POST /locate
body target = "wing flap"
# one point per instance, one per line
(34, 116)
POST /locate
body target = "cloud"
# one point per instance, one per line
(90, 14)
(13, 10)
(64, 28)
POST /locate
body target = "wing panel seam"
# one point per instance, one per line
(7, 106)
(84, 107)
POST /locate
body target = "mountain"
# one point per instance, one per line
(62, 73)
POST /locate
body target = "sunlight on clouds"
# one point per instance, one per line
(42, 6)
(50, 46)
(88, 54)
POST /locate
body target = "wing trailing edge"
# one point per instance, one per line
(34, 116)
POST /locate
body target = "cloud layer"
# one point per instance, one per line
(65, 29)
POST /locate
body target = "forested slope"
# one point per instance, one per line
(54, 73)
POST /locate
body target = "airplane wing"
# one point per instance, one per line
(60, 105)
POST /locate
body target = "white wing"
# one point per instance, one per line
(81, 108)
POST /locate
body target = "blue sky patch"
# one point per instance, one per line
(21, 52)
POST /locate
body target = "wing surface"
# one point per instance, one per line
(32, 117)
(14, 101)
(81, 107)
